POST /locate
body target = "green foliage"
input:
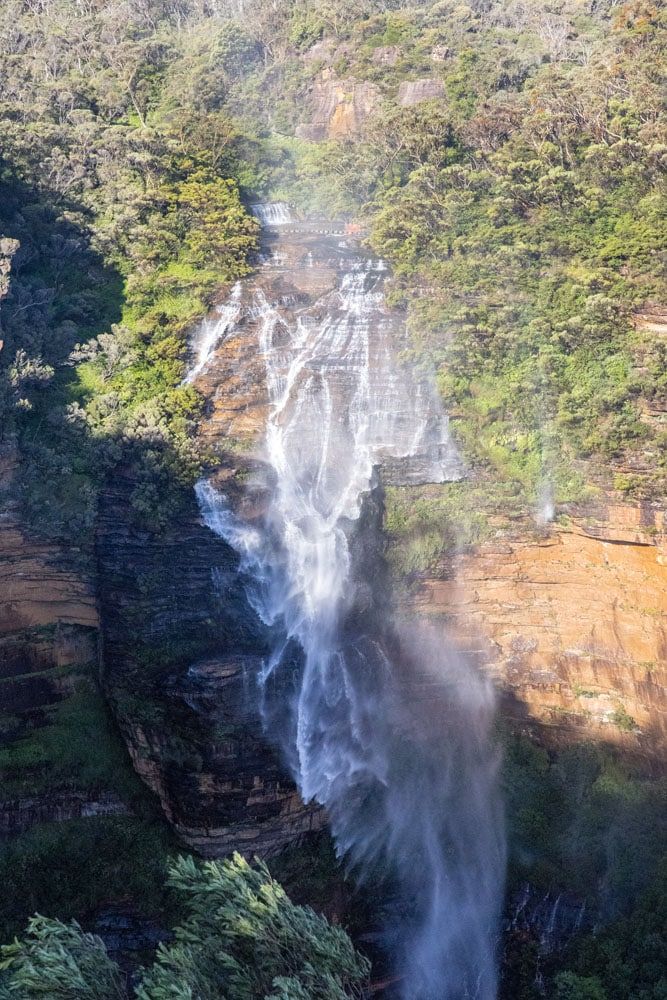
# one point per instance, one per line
(624, 720)
(127, 209)
(627, 959)
(422, 525)
(590, 824)
(243, 933)
(536, 235)
(572, 987)
(243, 939)
(70, 868)
(524, 215)
(77, 741)
(585, 821)
(59, 962)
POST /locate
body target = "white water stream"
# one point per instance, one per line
(388, 728)
(273, 213)
(213, 330)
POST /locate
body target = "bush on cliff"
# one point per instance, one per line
(120, 180)
(243, 939)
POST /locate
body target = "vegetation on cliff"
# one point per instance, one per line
(79, 828)
(118, 179)
(522, 208)
(526, 234)
(520, 197)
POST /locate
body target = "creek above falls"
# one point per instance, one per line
(387, 728)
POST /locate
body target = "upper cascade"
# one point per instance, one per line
(334, 369)
(323, 329)
(272, 213)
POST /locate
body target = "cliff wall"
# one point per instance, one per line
(570, 618)
(48, 648)
(572, 621)
(181, 649)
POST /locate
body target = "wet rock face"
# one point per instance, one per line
(299, 264)
(244, 799)
(181, 646)
(181, 650)
(573, 622)
(315, 288)
(552, 919)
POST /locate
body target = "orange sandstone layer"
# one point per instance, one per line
(572, 623)
(38, 584)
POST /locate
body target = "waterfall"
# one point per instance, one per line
(385, 725)
(273, 213)
(212, 331)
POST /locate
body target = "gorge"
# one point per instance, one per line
(332, 499)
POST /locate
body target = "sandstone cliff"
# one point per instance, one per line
(572, 620)
(568, 617)
(48, 649)
(181, 647)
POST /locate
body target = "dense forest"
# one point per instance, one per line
(520, 203)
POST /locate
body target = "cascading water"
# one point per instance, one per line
(384, 726)
(213, 330)
(272, 213)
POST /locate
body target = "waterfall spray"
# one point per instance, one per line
(384, 726)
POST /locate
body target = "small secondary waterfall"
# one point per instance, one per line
(212, 331)
(273, 213)
(386, 726)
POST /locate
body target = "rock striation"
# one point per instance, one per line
(573, 623)
(48, 644)
(180, 643)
